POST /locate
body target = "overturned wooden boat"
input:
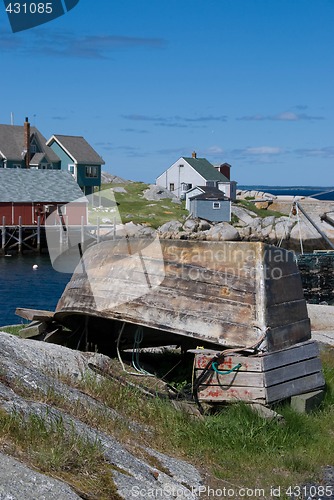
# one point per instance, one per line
(191, 293)
(237, 308)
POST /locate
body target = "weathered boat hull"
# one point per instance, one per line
(230, 294)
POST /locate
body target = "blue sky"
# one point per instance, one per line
(249, 82)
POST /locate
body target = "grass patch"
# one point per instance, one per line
(59, 453)
(13, 329)
(133, 207)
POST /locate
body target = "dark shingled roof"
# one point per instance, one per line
(206, 169)
(78, 148)
(210, 193)
(210, 197)
(27, 185)
(37, 158)
(12, 143)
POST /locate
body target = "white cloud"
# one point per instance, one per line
(264, 150)
(287, 116)
(214, 150)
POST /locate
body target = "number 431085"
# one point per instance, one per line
(310, 492)
(29, 8)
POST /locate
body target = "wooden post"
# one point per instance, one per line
(98, 230)
(20, 234)
(38, 234)
(3, 235)
(61, 237)
(114, 232)
(82, 231)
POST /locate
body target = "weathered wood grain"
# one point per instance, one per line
(285, 336)
(218, 394)
(285, 390)
(236, 379)
(279, 374)
(248, 363)
(34, 314)
(297, 352)
(292, 372)
(217, 292)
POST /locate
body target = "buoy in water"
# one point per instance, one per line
(35, 266)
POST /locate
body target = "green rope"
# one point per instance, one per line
(215, 368)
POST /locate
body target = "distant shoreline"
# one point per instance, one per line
(318, 192)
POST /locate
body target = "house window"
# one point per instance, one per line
(92, 172)
(185, 186)
(16, 165)
(33, 148)
(210, 183)
(171, 186)
(216, 205)
(71, 169)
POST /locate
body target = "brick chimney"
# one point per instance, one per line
(225, 169)
(194, 155)
(27, 142)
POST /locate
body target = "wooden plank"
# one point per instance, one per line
(285, 336)
(294, 387)
(236, 379)
(286, 313)
(292, 372)
(297, 352)
(228, 277)
(278, 262)
(222, 287)
(218, 394)
(121, 293)
(34, 314)
(248, 363)
(284, 289)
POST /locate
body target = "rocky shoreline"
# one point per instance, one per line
(291, 231)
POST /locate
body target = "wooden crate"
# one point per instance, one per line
(264, 378)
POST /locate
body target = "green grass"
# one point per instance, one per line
(236, 445)
(133, 207)
(58, 452)
(13, 329)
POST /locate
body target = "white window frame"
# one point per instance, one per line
(214, 205)
(70, 167)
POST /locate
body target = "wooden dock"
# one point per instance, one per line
(22, 238)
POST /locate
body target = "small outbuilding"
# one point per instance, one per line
(208, 203)
(28, 194)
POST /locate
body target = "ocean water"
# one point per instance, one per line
(21, 286)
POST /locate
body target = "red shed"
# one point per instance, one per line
(28, 194)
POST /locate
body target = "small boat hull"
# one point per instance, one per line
(228, 294)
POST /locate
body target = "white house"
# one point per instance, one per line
(187, 173)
